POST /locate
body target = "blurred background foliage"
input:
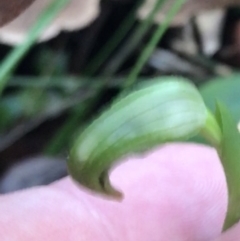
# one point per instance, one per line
(60, 85)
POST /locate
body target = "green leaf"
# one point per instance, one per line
(226, 90)
(229, 153)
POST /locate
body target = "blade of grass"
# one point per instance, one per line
(10, 62)
(69, 84)
(114, 41)
(135, 38)
(153, 42)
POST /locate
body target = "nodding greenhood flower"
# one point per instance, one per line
(17, 17)
(165, 110)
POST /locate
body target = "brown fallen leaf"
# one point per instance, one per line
(189, 9)
(10, 9)
(77, 14)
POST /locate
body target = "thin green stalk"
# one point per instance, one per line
(211, 130)
(133, 41)
(66, 83)
(11, 61)
(229, 153)
(114, 41)
(153, 42)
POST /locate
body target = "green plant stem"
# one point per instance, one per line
(114, 41)
(154, 41)
(229, 153)
(134, 40)
(67, 83)
(221, 131)
(9, 63)
(211, 130)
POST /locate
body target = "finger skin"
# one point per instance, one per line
(176, 192)
(233, 234)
